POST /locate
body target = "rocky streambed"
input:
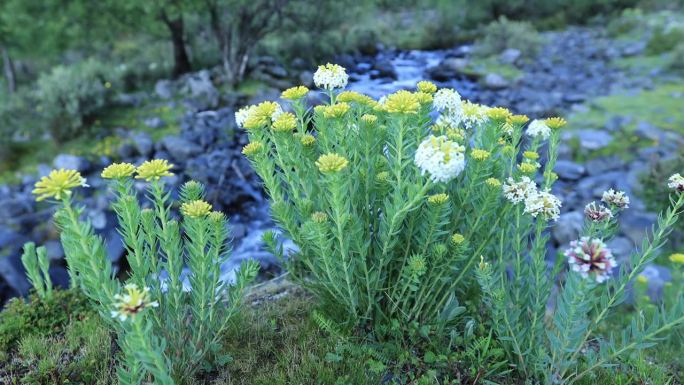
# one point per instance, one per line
(573, 67)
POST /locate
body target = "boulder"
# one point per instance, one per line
(142, 143)
(383, 69)
(510, 56)
(494, 81)
(164, 89)
(179, 148)
(154, 122)
(568, 227)
(71, 162)
(569, 170)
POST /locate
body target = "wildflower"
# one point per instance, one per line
(427, 87)
(493, 182)
(447, 99)
(544, 203)
(423, 98)
(528, 168)
(538, 128)
(295, 93)
(531, 155)
(330, 76)
(118, 171)
(479, 154)
(382, 176)
(252, 148)
(402, 102)
(154, 169)
(676, 182)
(483, 265)
(195, 209)
(262, 114)
(331, 163)
(217, 216)
(307, 140)
(457, 239)
(319, 217)
(518, 120)
(591, 257)
(441, 158)
(642, 279)
(555, 123)
(336, 110)
(356, 97)
(616, 198)
(597, 213)
(455, 134)
(499, 114)
(517, 192)
(132, 302)
(285, 122)
(508, 150)
(473, 114)
(369, 118)
(438, 199)
(677, 258)
(243, 114)
(58, 184)
(417, 265)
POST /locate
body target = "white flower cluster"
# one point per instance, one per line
(330, 76)
(616, 198)
(442, 158)
(474, 115)
(538, 128)
(591, 257)
(676, 182)
(449, 103)
(597, 213)
(536, 202)
(243, 114)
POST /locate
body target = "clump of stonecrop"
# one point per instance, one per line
(168, 322)
(398, 215)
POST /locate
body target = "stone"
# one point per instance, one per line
(114, 246)
(621, 247)
(569, 170)
(201, 87)
(568, 227)
(71, 162)
(98, 219)
(603, 164)
(164, 89)
(657, 276)
(11, 269)
(494, 81)
(635, 224)
(54, 249)
(143, 143)
(510, 56)
(154, 122)
(179, 148)
(589, 139)
(383, 69)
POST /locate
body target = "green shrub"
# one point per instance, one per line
(69, 96)
(676, 63)
(665, 39)
(628, 21)
(40, 316)
(183, 336)
(399, 219)
(652, 190)
(503, 33)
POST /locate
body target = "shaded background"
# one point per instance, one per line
(89, 83)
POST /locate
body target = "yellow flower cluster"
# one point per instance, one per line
(195, 209)
(402, 102)
(355, 97)
(331, 163)
(424, 98)
(493, 182)
(518, 120)
(307, 140)
(252, 148)
(677, 258)
(337, 110)
(261, 115)
(118, 171)
(217, 216)
(498, 114)
(531, 155)
(319, 217)
(369, 118)
(382, 176)
(528, 168)
(426, 87)
(479, 154)
(295, 93)
(438, 199)
(285, 122)
(457, 239)
(154, 169)
(58, 184)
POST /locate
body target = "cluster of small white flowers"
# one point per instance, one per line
(474, 116)
(538, 128)
(591, 257)
(676, 182)
(441, 158)
(597, 213)
(449, 103)
(330, 76)
(517, 192)
(278, 111)
(543, 203)
(243, 114)
(616, 198)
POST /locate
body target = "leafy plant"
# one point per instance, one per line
(182, 336)
(37, 267)
(503, 33)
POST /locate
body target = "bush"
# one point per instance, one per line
(676, 63)
(69, 96)
(503, 34)
(398, 220)
(653, 190)
(665, 39)
(183, 336)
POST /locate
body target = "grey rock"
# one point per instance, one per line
(201, 87)
(657, 277)
(98, 219)
(621, 247)
(142, 143)
(648, 131)
(179, 148)
(71, 162)
(306, 78)
(568, 227)
(54, 249)
(114, 246)
(589, 139)
(603, 164)
(495, 81)
(510, 56)
(569, 170)
(154, 122)
(164, 89)
(635, 224)
(126, 150)
(383, 69)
